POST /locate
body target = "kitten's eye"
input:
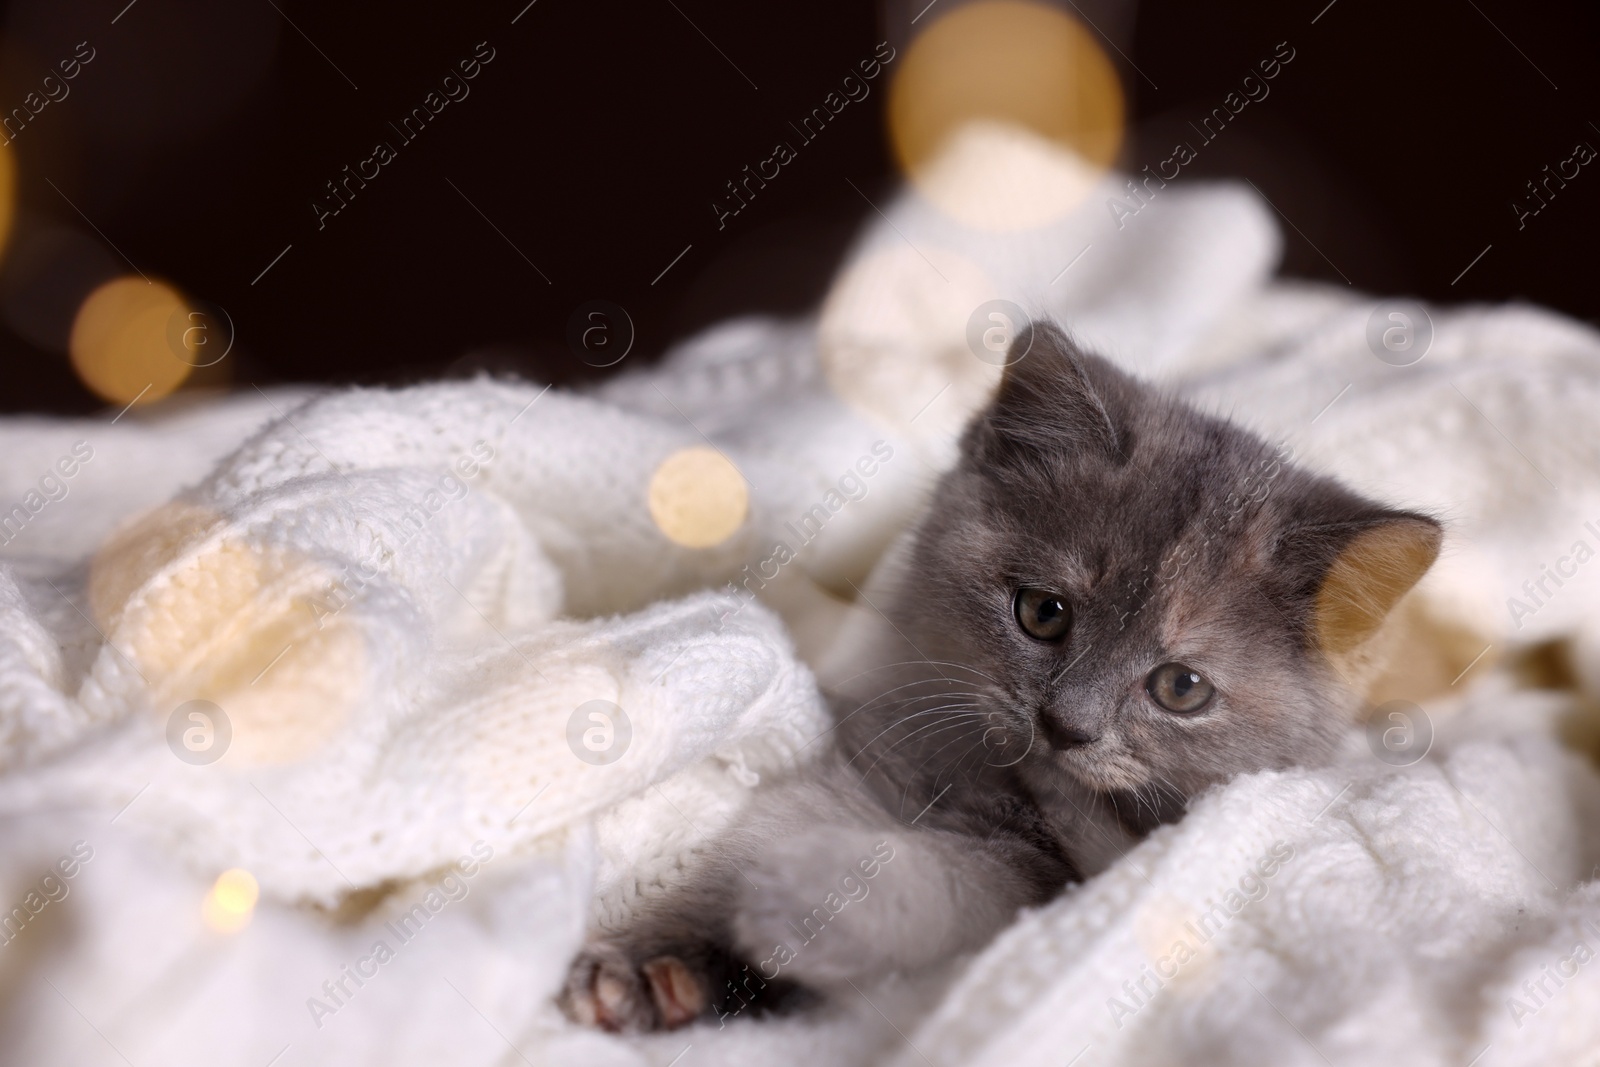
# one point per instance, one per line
(1043, 614)
(1177, 688)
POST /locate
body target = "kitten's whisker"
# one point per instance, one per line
(908, 685)
(925, 727)
(899, 664)
(1121, 797)
(1138, 793)
(978, 745)
(1139, 799)
(963, 667)
(968, 706)
(944, 711)
(979, 748)
(1033, 733)
(961, 708)
(1094, 824)
(945, 767)
(900, 702)
(941, 748)
(939, 663)
(916, 774)
(897, 709)
(1182, 796)
(1131, 794)
(973, 696)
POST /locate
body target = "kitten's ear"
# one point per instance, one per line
(1374, 563)
(1054, 396)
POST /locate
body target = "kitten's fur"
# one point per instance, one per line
(998, 768)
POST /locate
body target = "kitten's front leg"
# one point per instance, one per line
(830, 904)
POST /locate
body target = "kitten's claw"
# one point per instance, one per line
(680, 996)
(605, 989)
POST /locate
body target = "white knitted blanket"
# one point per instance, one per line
(399, 599)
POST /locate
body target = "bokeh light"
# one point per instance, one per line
(231, 901)
(124, 343)
(8, 195)
(274, 638)
(1178, 944)
(698, 498)
(892, 340)
(1006, 113)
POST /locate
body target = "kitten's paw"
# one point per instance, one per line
(606, 989)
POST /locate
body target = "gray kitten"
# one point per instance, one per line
(1112, 603)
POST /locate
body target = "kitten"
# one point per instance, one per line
(1112, 603)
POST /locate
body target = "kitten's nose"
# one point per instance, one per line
(1063, 735)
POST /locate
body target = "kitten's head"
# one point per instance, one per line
(1143, 594)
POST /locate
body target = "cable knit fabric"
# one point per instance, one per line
(400, 599)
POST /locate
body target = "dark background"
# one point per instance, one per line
(194, 143)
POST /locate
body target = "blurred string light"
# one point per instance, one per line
(231, 902)
(264, 632)
(8, 195)
(1004, 114)
(697, 497)
(131, 341)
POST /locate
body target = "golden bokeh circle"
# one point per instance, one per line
(227, 908)
(120, 344)
(1020, 81)
(1177, 943)
(8, 194)
(274, 638)
(698, 498)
